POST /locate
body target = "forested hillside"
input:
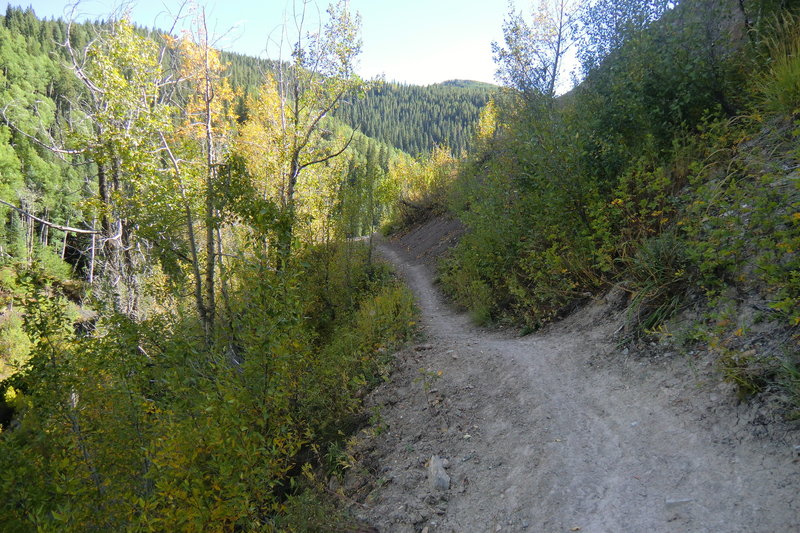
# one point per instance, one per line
(670, 172)
(417, 119)
(412, 118)
(188, 324)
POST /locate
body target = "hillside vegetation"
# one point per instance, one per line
(419, 119)
(412, 118)
(188, 322)
(192, 309)
(670, 171)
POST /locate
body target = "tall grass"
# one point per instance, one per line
(659, 275)
(780, 87)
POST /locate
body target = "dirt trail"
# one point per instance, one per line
(550, 433)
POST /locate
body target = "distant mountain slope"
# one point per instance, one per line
(468, 84)
(416, 118)
(412, 118)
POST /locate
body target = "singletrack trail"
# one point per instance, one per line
(551, 432)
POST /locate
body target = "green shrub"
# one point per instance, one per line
(469, 292)
(747, 370)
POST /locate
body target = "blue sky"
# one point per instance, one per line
(411, 41)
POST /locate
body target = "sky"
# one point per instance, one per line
(410, 41)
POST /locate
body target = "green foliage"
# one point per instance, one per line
(53, 264)
(609, 24)
(311, 511)
(34, 88)
(739, 221)
(469, 291)
(780, 85)
(520, 248)
(21, 288)
(370, 190)
(14, 344)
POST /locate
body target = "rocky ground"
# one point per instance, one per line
(561, 430)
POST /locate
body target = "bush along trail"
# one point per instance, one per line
(560, 431)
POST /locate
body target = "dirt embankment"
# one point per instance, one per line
(427, 242)
(560, 431)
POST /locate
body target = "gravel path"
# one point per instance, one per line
(559, 431)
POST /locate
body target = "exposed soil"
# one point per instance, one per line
(562, 431)
(430, 240)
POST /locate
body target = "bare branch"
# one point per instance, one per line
(50, 224)
(32, 138)
(330, 156)
(322, 114)
(76, 66)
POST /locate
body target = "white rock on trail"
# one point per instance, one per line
(438, 479)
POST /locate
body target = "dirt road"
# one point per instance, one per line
(551, 433)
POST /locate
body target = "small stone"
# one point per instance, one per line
(467, 436)
(677, 502)
(334, 484)
(437, 477)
